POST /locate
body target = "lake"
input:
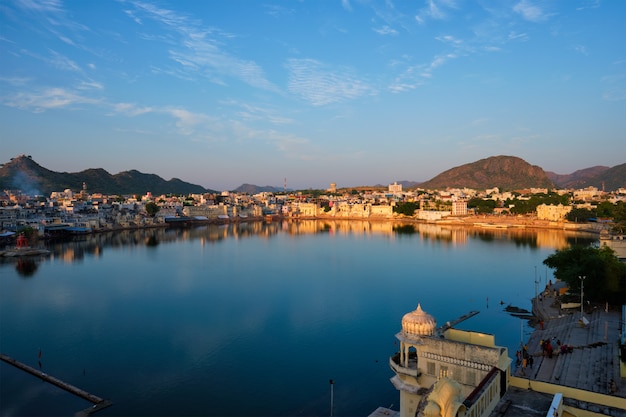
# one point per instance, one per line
(251, 319)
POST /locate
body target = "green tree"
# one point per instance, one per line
(482, 206)
(529, 205)
(407, 208)
(152, 208)
(619, 217)
(605, 209)
(580, 215)
(605, 275)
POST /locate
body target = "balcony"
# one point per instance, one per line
(411, 369)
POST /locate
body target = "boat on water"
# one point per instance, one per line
(492, 225)
(178, 220)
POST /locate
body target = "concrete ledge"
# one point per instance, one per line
(602, 400)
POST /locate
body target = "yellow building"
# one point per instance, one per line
(552, 213)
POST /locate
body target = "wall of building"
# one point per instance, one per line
(552, 213)
(568, 392)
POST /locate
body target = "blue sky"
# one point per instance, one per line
(220, 93)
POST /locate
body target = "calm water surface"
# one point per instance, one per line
(250, 320)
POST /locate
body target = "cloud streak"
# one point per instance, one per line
(198, 51)
(321, 84)
(47, 99)
(530, 11)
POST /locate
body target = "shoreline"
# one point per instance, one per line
(486, 222)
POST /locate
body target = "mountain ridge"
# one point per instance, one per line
(505, 172)
(24, 173)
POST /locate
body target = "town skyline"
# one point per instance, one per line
(350, 92)
(506, 172)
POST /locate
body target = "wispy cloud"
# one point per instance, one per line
(450, 40)
(530, 11)
(321, 84)
(277, 11)
(517, 36)
(47, 99)
(386, 30)
(188, 122)
(589, 4)
(62, 62)
(90, 85)
(41, 6)
(131, 110)
(253, 113)
(199, 51)
(416, 75)
(53, 18)
(202, 127)
(435, 10)
(16, 81)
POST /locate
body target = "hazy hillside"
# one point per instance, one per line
(252, 189)
(611, 179)
(505, 172)
(578, 179)
(25, 174)
(601, 177)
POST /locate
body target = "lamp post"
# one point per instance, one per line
(536, 291)
(582, 286)
(331, 396)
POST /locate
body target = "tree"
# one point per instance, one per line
(482, 206)
(407, 208)
(605, 274)
(580, 215)
(152, 209)
(605, 209)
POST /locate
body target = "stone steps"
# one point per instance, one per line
(594, 360)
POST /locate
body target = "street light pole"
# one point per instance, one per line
(582, 286)
(536, 282)
(331, 397)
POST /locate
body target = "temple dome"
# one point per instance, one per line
(418, 323)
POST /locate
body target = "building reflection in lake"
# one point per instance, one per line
(94, 245)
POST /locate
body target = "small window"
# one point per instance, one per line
(471, 378)
(430, 368)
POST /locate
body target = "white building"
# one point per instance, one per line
(395, 188)
(447, 372)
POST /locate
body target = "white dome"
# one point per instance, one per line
(418, 323)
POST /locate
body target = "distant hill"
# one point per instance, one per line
(255, 189)
(601, 177)
(578, 179)
(504, 172)
(611, 179)
(25, 174)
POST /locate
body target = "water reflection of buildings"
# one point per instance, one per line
(95, 244)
